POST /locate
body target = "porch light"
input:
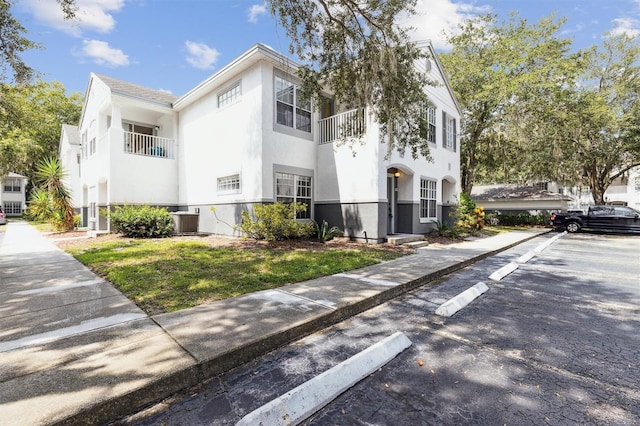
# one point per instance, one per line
(397, 174)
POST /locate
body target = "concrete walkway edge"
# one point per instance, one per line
(165, 386)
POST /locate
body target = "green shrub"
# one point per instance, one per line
(77, 221)
(327, 234)
(141, 221)
(276, 222)
(520, 219)
(469, 217)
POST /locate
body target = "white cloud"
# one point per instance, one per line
(103, 54)
(628, 26)
(201, 56)
(433, 17)
(92, 15)
(255, 11)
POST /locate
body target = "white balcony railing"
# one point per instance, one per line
(148, 145)
(348, 124)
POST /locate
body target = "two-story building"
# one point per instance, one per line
(246, 136)
(13, 195)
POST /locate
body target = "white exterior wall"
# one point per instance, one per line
(352, 172)
(279, 148)
(14, 196)
(218, 142)
(69, 160)
(95, 167)
(154, 180)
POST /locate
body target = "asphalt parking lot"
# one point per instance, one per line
(554, 342)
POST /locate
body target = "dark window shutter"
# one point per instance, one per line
(455, 135)
(444, 129)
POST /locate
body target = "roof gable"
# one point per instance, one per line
(73, 135)
(513, 192)
(125, 88)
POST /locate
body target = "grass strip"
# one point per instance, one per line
(165, 275)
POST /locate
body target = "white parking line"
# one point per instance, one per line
(298, 404)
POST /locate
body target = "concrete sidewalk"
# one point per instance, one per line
(73, 349)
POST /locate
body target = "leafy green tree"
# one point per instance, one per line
(506, 74)
(50, 177)
(14, 42)
(599, 136)
(360, 53)
(31, 117)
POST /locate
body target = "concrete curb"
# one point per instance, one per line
(165, 386)
(301, 402)
(458, 302)
(504, 271)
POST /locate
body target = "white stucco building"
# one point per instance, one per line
(13, 194)
(244, 136)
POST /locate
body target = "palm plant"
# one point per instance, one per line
(50, 176)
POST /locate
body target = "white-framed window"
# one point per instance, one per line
(449, 132)
(291, 188)
(229, 95)
(229, 184)
(85, 148)
(93, 210)
(428, 125)
(543, 186)
(12, 207)
(428, 193)
(12, 185)
(92, 138)
(292, 109)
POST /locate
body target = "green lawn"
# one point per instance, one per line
(166, 275)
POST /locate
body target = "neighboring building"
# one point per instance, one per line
(245, 136)
(70, 153)
(13, 196)
(515, 198)
(624, 191)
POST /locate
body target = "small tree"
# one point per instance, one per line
(52, 191)
(469, 217)
(276, 221)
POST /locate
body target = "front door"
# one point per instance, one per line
(391, 204)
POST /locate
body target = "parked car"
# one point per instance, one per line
(3, 217)
(602, 218)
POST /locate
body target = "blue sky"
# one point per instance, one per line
(173, 45)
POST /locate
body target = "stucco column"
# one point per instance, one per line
(116, 116)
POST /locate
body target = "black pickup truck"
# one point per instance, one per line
(601, 218)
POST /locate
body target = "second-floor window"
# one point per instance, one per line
(428, 124)
(449, 136)
(292, 109)
(229, 184)
(229, 95)
(12, 185)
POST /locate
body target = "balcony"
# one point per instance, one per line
(348, 124)
(148, 145)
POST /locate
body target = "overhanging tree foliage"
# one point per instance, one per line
(14, 42)
(357, 51)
